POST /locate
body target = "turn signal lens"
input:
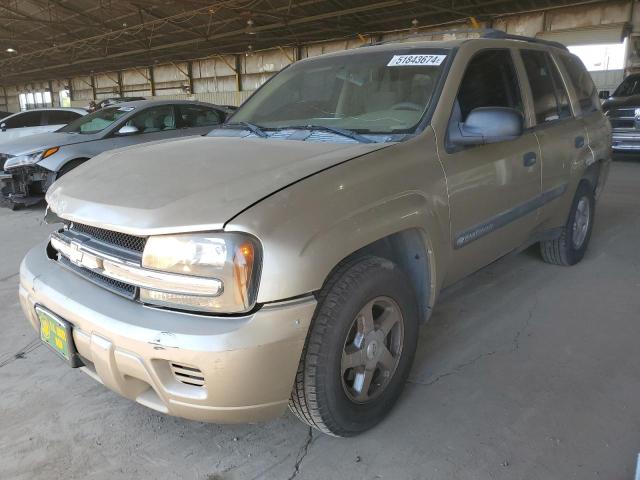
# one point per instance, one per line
(50, 151)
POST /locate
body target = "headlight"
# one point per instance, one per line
(232, 258)
(29, 158)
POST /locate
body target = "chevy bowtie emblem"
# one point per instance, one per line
(75, 254)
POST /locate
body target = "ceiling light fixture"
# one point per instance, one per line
(414, 26)
(12, 50)
(249, 30)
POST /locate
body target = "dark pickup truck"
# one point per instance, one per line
(623, 110)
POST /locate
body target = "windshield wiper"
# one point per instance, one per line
(338, 131)
(255, 129)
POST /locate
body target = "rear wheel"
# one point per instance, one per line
(569, 248)
(359, 349)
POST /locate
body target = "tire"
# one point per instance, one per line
(328, 395)
(569, 248)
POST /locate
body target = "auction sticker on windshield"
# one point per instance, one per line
(413, 60)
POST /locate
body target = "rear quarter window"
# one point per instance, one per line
(582, 83)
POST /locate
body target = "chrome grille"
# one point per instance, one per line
(120, 288)
(109, 237)
(623, 118)
(187, 375)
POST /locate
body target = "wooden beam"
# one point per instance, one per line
(120, 89)
(93, 87)
(238, 74)
(152, 81)
(190, 76)
(51, 92)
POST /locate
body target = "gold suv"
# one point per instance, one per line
(289, 257)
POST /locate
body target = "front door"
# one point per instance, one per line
(493, 188)
(153, 123)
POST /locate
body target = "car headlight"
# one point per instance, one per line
(29, 158)
(234, 259)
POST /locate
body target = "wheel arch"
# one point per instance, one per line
(411, 251)
(70, 164)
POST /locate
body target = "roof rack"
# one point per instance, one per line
(482, 33)
(493, 33)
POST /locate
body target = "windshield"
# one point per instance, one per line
(630, 86)
(374, 92)
(97, 121)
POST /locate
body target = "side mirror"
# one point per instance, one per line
(487, 125)
(128, 130)
(3, 126)
(604, 94)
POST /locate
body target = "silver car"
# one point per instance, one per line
(32, 164)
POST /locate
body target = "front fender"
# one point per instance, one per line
(66, 154)
(309, 227)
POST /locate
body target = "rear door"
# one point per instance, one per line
(597, 127)
(493, 187)
(198, 119)
(561, 134)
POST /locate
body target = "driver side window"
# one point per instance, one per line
(154, 119)
(490, 80)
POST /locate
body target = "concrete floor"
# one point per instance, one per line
(526, 371)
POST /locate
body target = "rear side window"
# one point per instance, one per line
(489, 81)
(582, 83)
(27, 119)
(550, 99)
(61, 117)
(198, 116)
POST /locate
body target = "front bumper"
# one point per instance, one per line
(26, 185)
(246, 365)
(625, 140)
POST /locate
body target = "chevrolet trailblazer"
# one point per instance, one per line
(289, 257)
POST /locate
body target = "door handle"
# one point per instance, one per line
(529, 159)
(579, 141)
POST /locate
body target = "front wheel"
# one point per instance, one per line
(359, 349)
(571, 245)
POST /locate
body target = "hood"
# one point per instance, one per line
(192, 184)
(41, 141)
(624, 102)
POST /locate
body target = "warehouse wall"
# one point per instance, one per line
(215, 79)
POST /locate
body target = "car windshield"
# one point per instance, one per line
(630, 86)
(370, 93)
(97, 121)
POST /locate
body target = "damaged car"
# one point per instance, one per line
(288, 257)
(32, 164)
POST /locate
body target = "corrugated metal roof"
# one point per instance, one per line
(64, 38)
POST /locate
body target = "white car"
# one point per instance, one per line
(41, 120)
